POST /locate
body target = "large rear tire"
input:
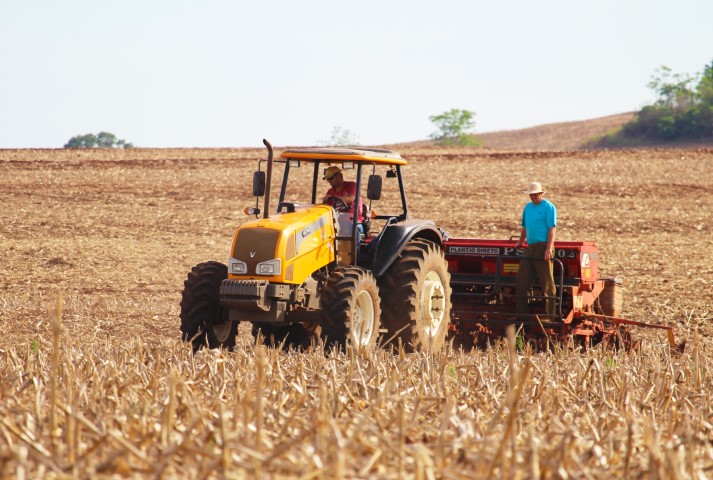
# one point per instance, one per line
(204, 321)
(351, 309)
(416, 297)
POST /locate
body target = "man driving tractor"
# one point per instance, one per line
(342, 193)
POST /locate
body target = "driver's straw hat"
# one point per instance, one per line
(329, 172)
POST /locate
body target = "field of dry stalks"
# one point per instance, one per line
(94, 382)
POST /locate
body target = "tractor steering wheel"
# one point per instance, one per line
(338, 204)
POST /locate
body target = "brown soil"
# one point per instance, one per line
(122, 228)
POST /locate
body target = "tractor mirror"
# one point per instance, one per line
(373, 189)
(259, 184)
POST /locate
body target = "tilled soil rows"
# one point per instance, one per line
(119, 229)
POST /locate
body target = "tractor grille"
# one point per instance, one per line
(255, 245)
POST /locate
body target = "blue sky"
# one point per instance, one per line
(220, 73)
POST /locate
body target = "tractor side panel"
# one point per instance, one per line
(314, 246)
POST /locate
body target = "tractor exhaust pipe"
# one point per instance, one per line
(268, 180)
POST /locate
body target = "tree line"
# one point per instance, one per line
(683, 110)
(100, 140)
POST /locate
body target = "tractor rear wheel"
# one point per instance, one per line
(204, 321)
(416, 297)
(351, 309)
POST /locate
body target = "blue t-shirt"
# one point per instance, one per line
(538, 219)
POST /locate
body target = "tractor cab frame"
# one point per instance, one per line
(358, 243)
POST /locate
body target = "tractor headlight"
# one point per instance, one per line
(271, 267)
(237, 267)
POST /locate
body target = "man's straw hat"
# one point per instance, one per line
(534, 187)
(329, 172)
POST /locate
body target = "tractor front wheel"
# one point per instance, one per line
(416, 297)
(351, 309)
(204, 321)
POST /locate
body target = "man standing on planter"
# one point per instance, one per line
(539, 224)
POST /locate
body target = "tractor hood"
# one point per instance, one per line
(285, 247)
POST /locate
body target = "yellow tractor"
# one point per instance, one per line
(364, 273)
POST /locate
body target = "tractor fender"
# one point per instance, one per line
(394, 237)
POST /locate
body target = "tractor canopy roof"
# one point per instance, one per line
(327, 154)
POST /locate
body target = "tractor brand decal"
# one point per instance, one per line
(578, 302)
(303, 234)
(473, 251)
(585, 260)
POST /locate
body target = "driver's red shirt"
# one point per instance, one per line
(348, 189)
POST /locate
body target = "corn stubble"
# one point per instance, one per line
(137, 409)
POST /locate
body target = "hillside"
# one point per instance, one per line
(562, 136)
(552, 136)
(555, 136)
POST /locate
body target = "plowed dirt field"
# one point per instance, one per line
(117, 230)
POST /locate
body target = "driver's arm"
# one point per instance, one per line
(348, 199)
(349, 189)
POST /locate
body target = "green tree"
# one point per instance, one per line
(683, 110)
(674, 90)
(705, 86)
(106, 140)
(704, 109)
(453, 126)
(100, 140)
(88, 140)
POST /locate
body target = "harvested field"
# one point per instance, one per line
(102, 240)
